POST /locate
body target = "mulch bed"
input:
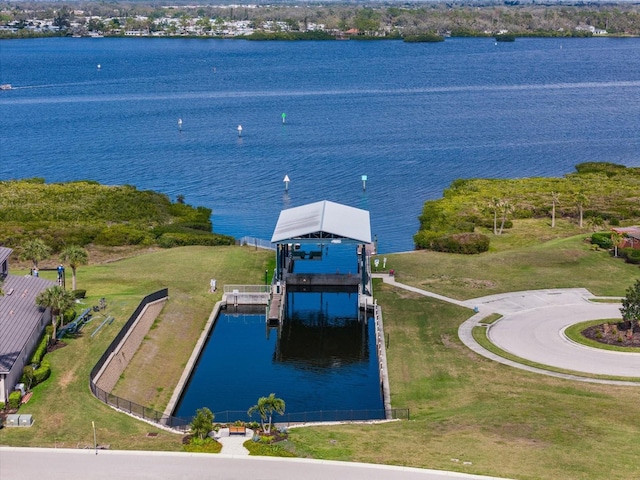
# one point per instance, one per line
(619, 334)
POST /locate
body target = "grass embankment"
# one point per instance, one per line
(518, 265)
(506, 422)
(63, 407)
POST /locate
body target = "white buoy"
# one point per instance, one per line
(284, 118)
(179, 124)
(286, 183)
(239, 130)
(364, 182)
(99, 66)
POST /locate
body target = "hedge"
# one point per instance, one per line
(14, 399)
(465, 243)
(631, 255)
(602, 239)
(41, 350)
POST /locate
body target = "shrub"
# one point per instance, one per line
(466, 243)
(121, 235)
(1, 405)
(14, 399)
(424, 238)
(169, 240)
(631, 255)
(40, 350)
(42, 373)
(80, 293)
(602, 239)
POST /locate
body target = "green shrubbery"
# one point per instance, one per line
(169, 240)
(466, 243)
(631, 255)
(40, 351)
(85, 212)
(602, 239)
(426, 37)
(14, 399)
(597, 192)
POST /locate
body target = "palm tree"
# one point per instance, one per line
(618, 240)
(35, 250)
(59, 301)
(581, 201)
(75, 255)
(495, 205)
(265, 407)
(507, 208)
(555, 198)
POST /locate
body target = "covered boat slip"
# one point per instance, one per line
(305, 233)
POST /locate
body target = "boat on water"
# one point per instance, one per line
(5, 86)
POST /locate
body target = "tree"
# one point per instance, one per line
(555, 198)
(631, 305)
(35, 250)
(596, 223)
(618, 240)
(265, 407)
(59, 301)
(202, 423)
(75, 255)
(581, 201)
(507, 208)
(495, 206)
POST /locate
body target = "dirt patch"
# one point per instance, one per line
(473, 283)
(55, 346)
(620, 334)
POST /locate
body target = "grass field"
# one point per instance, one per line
(558, 263)
(63, 407)
(464, 408)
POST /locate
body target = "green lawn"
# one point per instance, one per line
(505, 421)
(63, 407)
(558, 263)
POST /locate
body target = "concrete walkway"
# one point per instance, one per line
(532, 327)
(233, 444)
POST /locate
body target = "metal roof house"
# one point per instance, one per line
(21, 323)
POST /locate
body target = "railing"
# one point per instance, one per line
(121, 403)
(317, 416)
(256, 242)
(243, 289)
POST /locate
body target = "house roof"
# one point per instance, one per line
(632, 232)
(19, 316)
(5, 253)
(324, 222)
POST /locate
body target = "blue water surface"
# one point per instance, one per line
(412, 117)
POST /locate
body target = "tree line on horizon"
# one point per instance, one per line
(456, 19)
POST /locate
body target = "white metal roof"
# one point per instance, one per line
(324, 221)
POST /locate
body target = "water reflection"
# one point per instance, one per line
(324, 348)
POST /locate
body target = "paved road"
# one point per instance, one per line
(532, 327)
(68, 464)
(533, 323)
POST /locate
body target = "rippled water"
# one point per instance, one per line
(412, 117)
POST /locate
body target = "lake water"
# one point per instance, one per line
(412, 117)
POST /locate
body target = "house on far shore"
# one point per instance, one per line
(631, 236)
(22, 323)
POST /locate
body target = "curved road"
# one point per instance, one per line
(532, 327)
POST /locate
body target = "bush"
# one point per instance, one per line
(40, 350)
(14, 399)
(1, 405)
(80, 293)
(117, 235)
(424, 238)
(465, 243)
(631, 255)
(602, 239)
(169, 240)
(42, 373)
